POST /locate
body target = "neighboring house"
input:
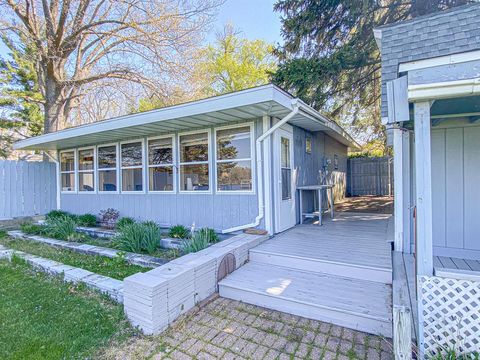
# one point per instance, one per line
(229, 162)
(431, 106)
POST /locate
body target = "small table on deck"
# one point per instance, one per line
(318, 189)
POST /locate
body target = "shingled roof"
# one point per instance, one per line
(444, 33)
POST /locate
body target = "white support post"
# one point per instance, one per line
(401, 149)
(423, 177)
(398, 153)
(423, 173)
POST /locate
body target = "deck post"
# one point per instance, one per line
(423, 177)
(423, 174)
(401, 150)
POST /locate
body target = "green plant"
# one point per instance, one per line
(178, 232)
(452, 354)
(123, 222)
(54, 214)
(138, 237)
(210, 234)
(88, 220)
(32, 229)
(63, 228)
(198, 241)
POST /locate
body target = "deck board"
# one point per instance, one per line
(354, 238)
(371, 299)
(457, 268)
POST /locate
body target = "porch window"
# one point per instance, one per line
(107, 168)
(194, 171)
(86, 163)
(67, 170)
(234, 159)
(160, 164)
(132, 166)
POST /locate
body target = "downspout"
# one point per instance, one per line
(57, 176)
(258, 146)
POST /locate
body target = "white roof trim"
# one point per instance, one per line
(445, 89)
(250, 97)
(241, 98)
(438, 61)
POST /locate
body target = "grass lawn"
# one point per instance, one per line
(116, 268)
(43, 318)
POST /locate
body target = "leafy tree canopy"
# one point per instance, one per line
(21, 103)
(330, 58)
(232, 63)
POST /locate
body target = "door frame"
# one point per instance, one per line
(284, 131)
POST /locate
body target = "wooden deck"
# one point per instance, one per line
(339, 272)
(358, 241)
(457, 268)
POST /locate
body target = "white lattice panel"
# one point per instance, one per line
(451, 314)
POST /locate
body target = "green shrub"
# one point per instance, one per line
(198, 241)
(178, 232)
(32, 229)
(138, 237)
(62, 228)
(88, 220)
(210, 234)
(54, 214)
(123, 222)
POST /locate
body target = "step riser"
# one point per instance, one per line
(337, 317)
(318, 266)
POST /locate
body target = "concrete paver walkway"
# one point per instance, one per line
(227, 329)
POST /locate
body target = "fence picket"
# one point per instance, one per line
(26, 188)
(370, 176)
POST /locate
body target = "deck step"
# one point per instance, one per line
(353, 303)
(356, 271)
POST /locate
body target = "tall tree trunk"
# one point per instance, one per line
(54, 105)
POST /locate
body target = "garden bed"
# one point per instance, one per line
(116, 268)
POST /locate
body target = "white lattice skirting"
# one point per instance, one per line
(451, 314)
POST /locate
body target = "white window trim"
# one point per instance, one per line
(251, 159)
(209, 162)
(116, 168)
(78, 171)
(173, 165)
(121, 168)
(74, 172)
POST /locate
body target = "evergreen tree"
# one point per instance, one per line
(330, 58)
(21, 103)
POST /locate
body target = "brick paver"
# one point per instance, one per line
(227, 329)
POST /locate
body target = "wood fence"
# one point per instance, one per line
(27, 188)
(370, 176)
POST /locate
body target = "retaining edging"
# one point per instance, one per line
(154, 299)
(131, 258)
(111, 287)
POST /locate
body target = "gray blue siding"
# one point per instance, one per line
(218, 211)
(455, 191)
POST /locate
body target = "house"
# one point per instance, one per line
(431, 106)
(228, 162)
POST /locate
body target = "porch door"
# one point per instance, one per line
(284, 189)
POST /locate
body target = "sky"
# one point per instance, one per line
(255, 18)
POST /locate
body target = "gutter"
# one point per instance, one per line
(260, 177)
(57, 173)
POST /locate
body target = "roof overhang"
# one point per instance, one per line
(216, 111)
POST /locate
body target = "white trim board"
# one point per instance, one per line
(441, 60)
